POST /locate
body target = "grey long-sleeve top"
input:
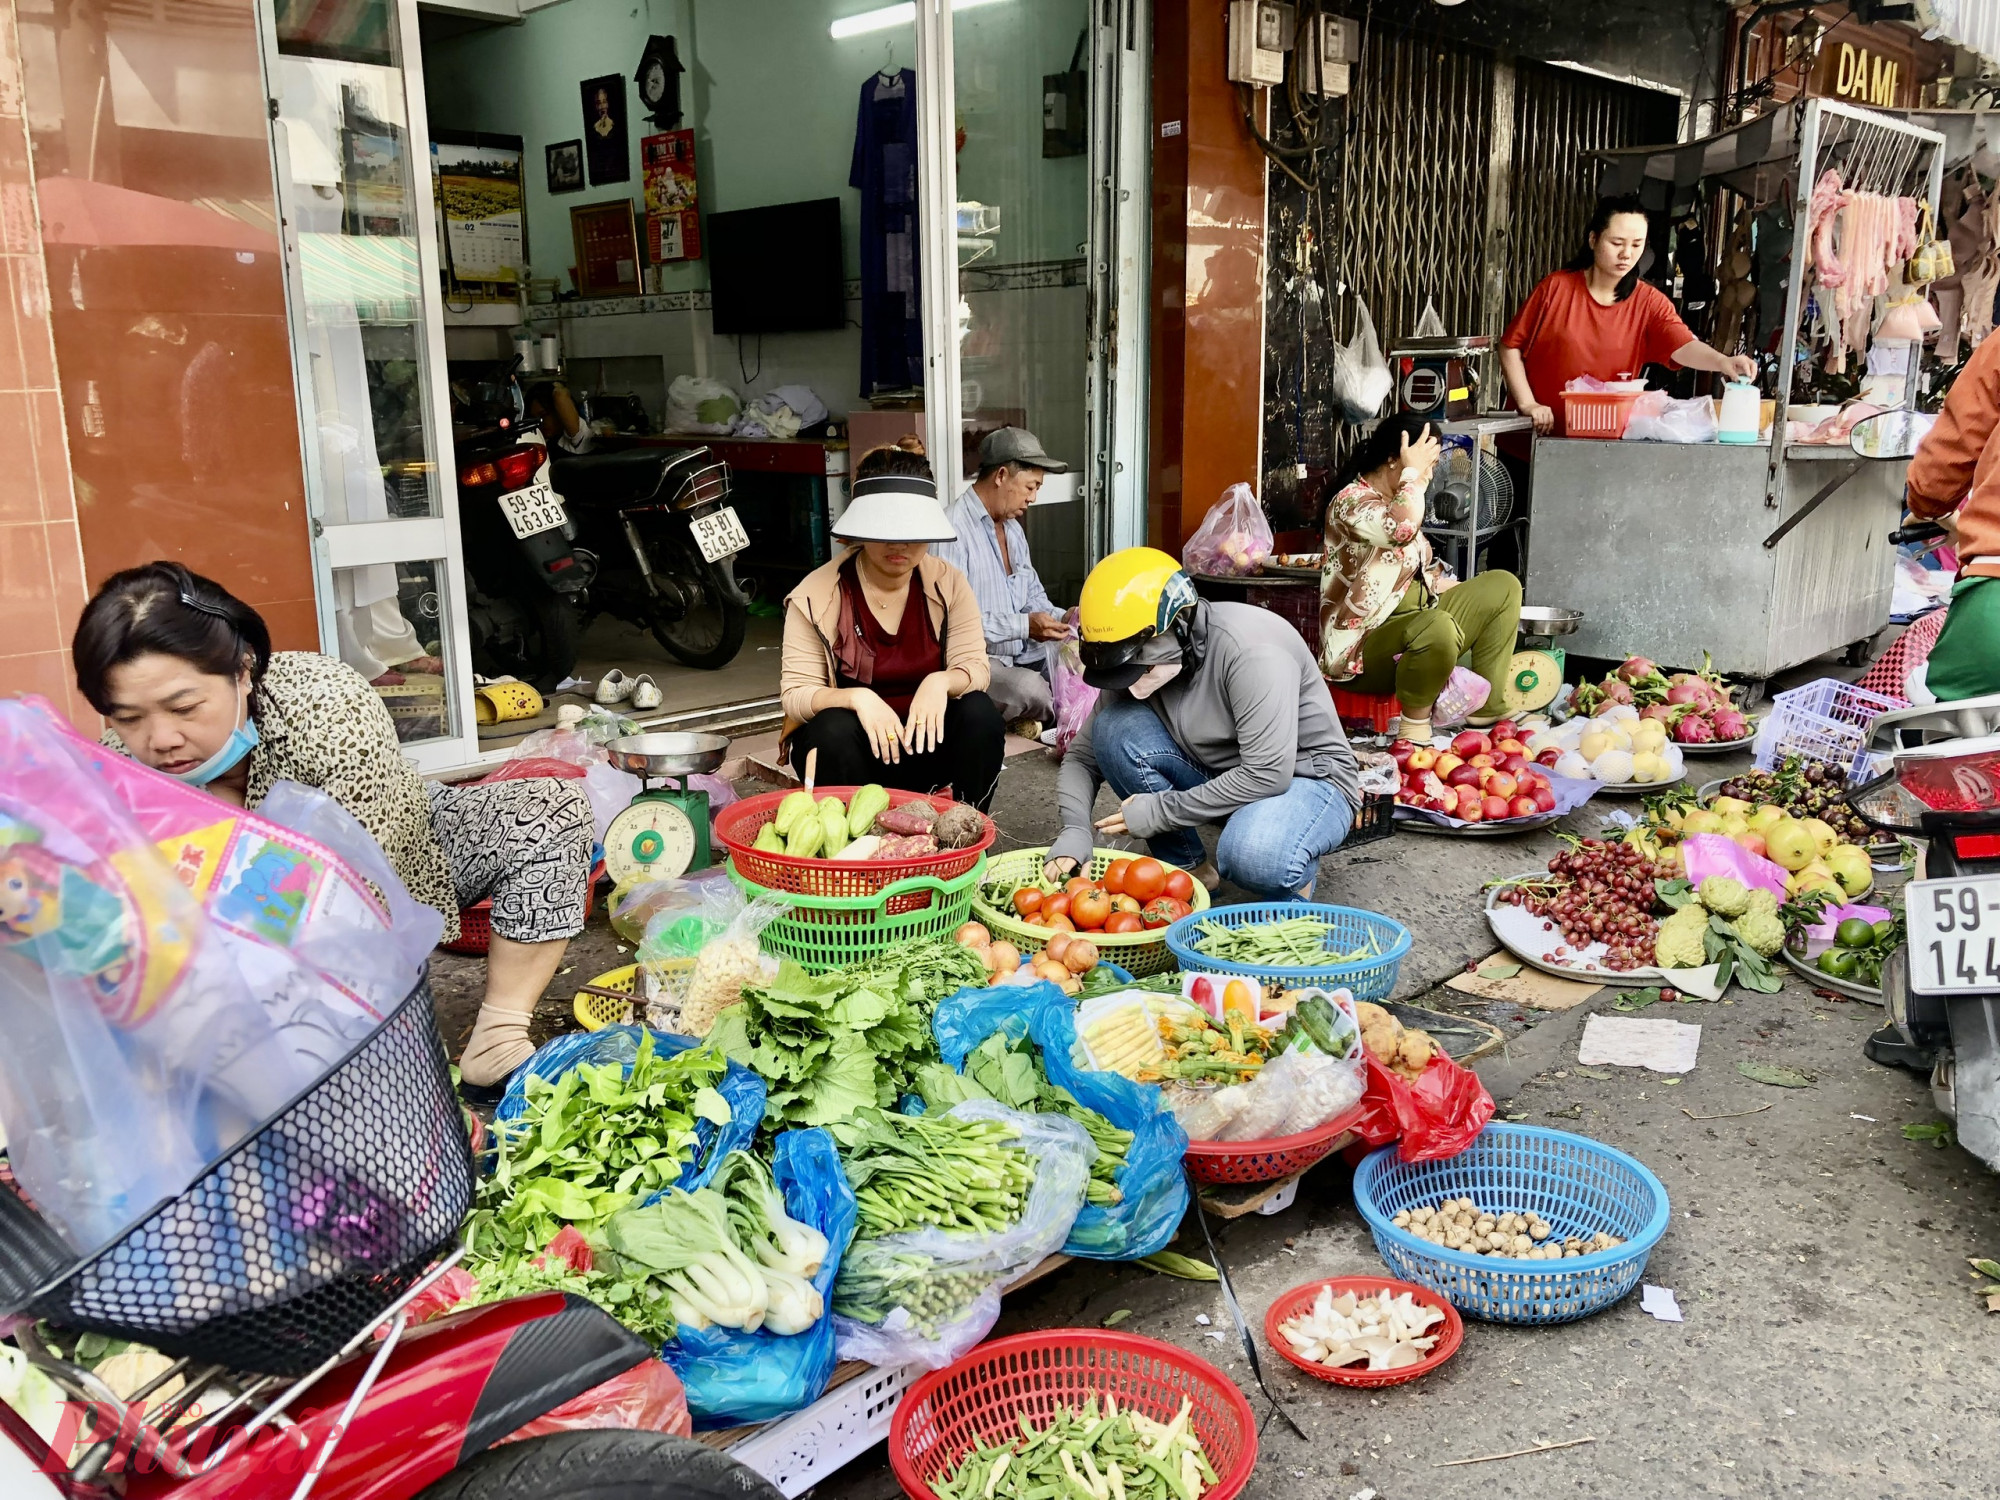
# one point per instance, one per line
(1255, 714)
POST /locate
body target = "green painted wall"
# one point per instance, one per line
(772, 99)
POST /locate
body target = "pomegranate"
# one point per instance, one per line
(1694, 730)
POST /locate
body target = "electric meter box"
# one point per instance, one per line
(1326, 55)
(1260, 34)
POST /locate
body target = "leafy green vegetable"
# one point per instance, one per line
(913, 1171)
(831, 1044)
(1171, 1263)
(1937, 1132)
(1775, 1076)
(590, 1143)
(641, 1304)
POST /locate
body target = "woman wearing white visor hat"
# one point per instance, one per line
(884, 669)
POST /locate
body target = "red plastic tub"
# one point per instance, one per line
(1598, 414)
(1266, 1160)
(981, 1399)
(736, 827)
(1289, 1305)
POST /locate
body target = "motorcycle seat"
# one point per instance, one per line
(627, 476)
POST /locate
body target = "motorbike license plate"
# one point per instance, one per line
(719, 534)
(1954, 928)
(533, 510)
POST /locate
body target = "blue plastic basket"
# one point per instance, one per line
(1578, 1185)
(1368, 978)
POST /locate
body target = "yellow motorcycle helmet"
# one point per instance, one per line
(1135, 612)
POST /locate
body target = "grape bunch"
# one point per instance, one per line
(1597, 893)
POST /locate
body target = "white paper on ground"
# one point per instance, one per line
(1660, 1302)
(1627, 1042)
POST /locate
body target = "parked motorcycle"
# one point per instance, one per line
(659, 538)
(525, 584)
(1942, 989)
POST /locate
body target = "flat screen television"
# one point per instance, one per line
(777, 269)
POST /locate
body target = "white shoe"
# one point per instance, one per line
(613, 687)
(646, 693)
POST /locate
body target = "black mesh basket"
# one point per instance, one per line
(297, 1239)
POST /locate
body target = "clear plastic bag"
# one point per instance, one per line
(706, 919)
(742, 1089)
(955, 1278)
(1464, 691)
(1362, 380)
(734, 1377)
(1153, 1189)
(698, 404)
(1072, 696)
(1322, 1088)
(1234, 538)
(157, 971)
(1659, 418)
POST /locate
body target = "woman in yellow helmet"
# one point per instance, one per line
(1208, 713)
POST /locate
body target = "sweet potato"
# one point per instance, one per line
(909, 819)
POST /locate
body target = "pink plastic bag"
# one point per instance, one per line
(1706, 854)
(1464, 691)
(1072, 696)
(1234, 538)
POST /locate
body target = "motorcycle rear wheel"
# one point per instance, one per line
(603, 1465)
(709, 634)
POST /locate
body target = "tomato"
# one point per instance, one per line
(1027, 901)
(1123, 921)
(1039, 919)
(1089, 909)
(1146, 879)
(1180, 908)
(1123, 902)
(1077, 883)
(1180, 885)
(1114, 876)
(1057, 905)
(1062, 924)
(1159, 912)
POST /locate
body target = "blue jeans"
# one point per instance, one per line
(1270, 848)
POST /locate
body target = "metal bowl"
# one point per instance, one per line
(1541, 621)
(667, 754)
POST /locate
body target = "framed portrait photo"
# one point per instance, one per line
(605, 149)
(565, 160)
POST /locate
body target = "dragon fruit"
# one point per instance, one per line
(1692, 692)
(1694, 730)
(1589, 699)
(1729, 724)
(1636, 669)
(1615, 690)
(1664, 712)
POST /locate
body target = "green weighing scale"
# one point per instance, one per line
(663, 831)
(1535, 675)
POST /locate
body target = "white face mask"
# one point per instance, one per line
(1155, 679)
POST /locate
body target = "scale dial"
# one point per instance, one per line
(648, 840)
(1533, 680)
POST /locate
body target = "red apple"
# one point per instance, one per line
(1509, 747)
(1549, 756)
(1500, 784)
(1482, 759)
(1402, 750)
(1446, 805)
(1470, 743)
(1422, 758)
(1447, 763)
(1523, 807)
(1545, 800)
(1515, 763)
(1506, 729)
(1495, 807)
(1470, 812)
(1463, 776)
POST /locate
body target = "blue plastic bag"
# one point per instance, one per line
(1154, 1187)
(734, 1377)
(741, 1088)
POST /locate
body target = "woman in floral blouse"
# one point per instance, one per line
(1391, 617)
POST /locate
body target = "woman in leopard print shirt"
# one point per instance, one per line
(184, 673)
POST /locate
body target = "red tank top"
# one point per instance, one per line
(902, 660)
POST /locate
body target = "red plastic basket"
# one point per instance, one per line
(475, 923)
(1372, 709)
(1266, 1160)
(1451, 1333)
(736, 827)
(981, 1399)
(1598, 414)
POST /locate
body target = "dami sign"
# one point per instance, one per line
(1865, 73)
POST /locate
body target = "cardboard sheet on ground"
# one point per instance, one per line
(1632, 1042)
(1529, 987)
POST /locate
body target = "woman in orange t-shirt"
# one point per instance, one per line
(1596, 317)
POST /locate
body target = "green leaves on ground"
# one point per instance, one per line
(1937, 1132)
(1775, 1076)
(1169, 1263)
(1498, 968)
(830, 1044)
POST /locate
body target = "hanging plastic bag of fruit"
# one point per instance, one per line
(1072, 696)
(1234, 538)
(1361, 377)
(1464, 691)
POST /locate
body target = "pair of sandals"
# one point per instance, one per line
(642, 692)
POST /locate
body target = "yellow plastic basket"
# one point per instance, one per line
(1138, 953)
(611, 998)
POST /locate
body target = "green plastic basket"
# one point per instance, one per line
(830, 932)
(1138, 953)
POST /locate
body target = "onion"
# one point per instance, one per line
(1006, 957)
(973, 935)
(1058, 945)
(1079, 955)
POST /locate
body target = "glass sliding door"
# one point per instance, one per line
(352, 160)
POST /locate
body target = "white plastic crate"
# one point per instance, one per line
(1825, 721)
(797, 1452)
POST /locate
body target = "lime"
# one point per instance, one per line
(1855, 932)
(1839, 962)
(1884, 929)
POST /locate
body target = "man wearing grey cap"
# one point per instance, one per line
(992, 552)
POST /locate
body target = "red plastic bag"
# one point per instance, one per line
(530, 766)
(1436, 1117)
(441, 1296)
(648, 1397)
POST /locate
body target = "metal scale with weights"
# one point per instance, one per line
(664, 831)
(1535, 675)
